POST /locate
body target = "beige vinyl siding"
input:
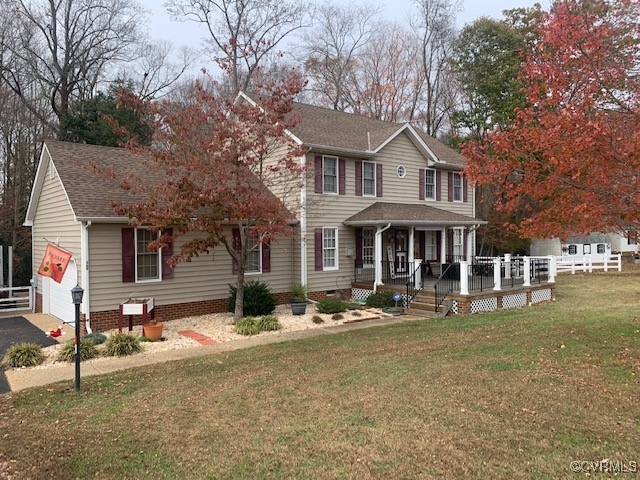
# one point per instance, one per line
(206, 277)
(332, 210)
(54, 221)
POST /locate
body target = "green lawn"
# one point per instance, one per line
(515, 394)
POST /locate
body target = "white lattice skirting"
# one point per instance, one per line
(454, 307)
(360, 294)
(541, 295)
(484, 305)
(515, 300)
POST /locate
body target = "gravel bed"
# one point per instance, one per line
(218, 327)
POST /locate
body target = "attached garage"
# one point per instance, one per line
(59, 298)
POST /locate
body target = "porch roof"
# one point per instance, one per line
(409, 214)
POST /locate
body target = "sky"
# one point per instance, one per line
(189, 33)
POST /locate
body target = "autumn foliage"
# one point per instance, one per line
(571, 161)
(217, 164)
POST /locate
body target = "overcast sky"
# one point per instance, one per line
(189, 33)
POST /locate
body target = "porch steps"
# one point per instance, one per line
(422, 313)
(426, 302)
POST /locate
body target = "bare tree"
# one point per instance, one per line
(242, 33)
(65, 47)
(330, 49)
(434, 28)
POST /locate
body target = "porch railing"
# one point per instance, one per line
(480, 273)
(392, 272)
(413, 285)
(446, 283)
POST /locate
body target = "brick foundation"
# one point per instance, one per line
(464, 301)
(107, 320)
(38, 302)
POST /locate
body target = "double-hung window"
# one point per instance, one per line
(369, 179)
(330, 248)
(329, 174)
(430, 184)
(368, 235)
(457, 244)
(254, 256)
(147, 261)
(457, 187)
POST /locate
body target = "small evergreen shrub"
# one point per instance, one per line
(122, 344)
(95, 338)
(23, 355)
(356, 313)
(87, 351)
(258, 299)
(247, 326)
(331, 305)
(337, 316)
(381, 300)
(317, 319)
(269, 323)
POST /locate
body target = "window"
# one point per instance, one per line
(147, 261)
(401, 171)
(368, 242)
(632, 237)
(254, 256)
(600, 248)
(573, 249)
(430, 184)
(429, 246)
(586, 249)
(329, 174)
(457, 187)
(369, 179)
(330, 248)
(457, 244)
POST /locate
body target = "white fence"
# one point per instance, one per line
(589, 263)
(16, 298)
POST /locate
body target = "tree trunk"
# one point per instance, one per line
(238, 312)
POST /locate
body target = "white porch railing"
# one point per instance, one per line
(589, 263)
(16, 298)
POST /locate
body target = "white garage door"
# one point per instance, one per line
(60, 304)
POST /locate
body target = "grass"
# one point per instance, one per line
(513, 394)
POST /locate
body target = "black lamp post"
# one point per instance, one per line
(76, 295)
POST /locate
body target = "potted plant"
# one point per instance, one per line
(153, 330)
(299, 299)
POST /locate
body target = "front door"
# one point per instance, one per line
(402, 255)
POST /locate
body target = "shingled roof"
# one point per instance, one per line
(323, 127)
(409, 214)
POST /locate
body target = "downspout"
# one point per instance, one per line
(84, 247)
(303, 224)
(378, 248)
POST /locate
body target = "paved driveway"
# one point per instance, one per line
(17, 330)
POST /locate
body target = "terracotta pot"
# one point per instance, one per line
(153, 331)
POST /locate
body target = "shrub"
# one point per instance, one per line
(354, 306)
(337, 316)
(258, 299)
(331, 305)
(122, 344)
(317, 319)
(23, 355)
(87, 351)
(381, 300)
(247, 326)
(95, 338)
(269, 323)
(299, 291)
(356, 313)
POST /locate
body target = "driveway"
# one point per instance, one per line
(17, 330)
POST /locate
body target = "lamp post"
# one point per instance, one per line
(76, 295)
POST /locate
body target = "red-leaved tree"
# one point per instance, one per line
(571, 161)
(214, 165)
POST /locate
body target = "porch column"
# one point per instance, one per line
(378, 255)
(497, 267)
(411, 241)
(468, 253)
(527, 272)
(552, 269)
(443, 246)
(464, 278)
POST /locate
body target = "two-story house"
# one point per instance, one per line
(380, 196)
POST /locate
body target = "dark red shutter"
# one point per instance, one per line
(450, 244)
(450, 192)
(438, 185)
(167, 252)
(317, 245)
(342, 176)
(378, 179)
(358, 178)
(422, 238)
(237, 246)
(359, 247)
(318, 174)
(266, 256)
(421, 186)
(439, 246)
(464, 189)
(128, 255)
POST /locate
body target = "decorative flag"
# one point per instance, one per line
(54, 263)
